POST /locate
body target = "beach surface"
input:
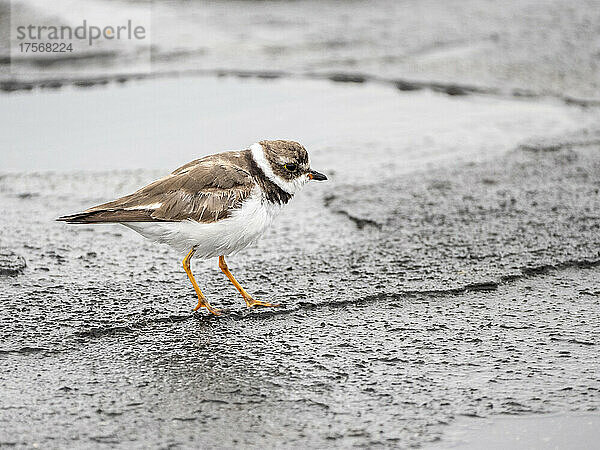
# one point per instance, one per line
(441, 289)
(425, 281)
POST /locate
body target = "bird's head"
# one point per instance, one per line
(286, 163)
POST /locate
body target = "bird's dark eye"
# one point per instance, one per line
(290, 167)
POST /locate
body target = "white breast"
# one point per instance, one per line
(227, 236)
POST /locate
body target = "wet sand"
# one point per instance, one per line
(573, 431)
(526, 46)
(450, 267)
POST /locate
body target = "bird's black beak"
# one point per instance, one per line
(317, 176)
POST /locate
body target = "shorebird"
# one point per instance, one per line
(213, 206)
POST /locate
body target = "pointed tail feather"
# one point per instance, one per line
(110, 216)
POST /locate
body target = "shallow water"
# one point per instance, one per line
(161, 124)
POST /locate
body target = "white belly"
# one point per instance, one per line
(240, 230)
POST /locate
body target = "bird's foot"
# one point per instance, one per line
(203, 303)
(250, 302)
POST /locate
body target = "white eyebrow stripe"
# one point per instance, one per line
(291, 187)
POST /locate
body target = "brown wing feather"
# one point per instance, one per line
(205, 190)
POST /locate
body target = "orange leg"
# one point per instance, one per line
(202, 302)
(250, 302)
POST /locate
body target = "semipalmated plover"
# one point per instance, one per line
(213, 206)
